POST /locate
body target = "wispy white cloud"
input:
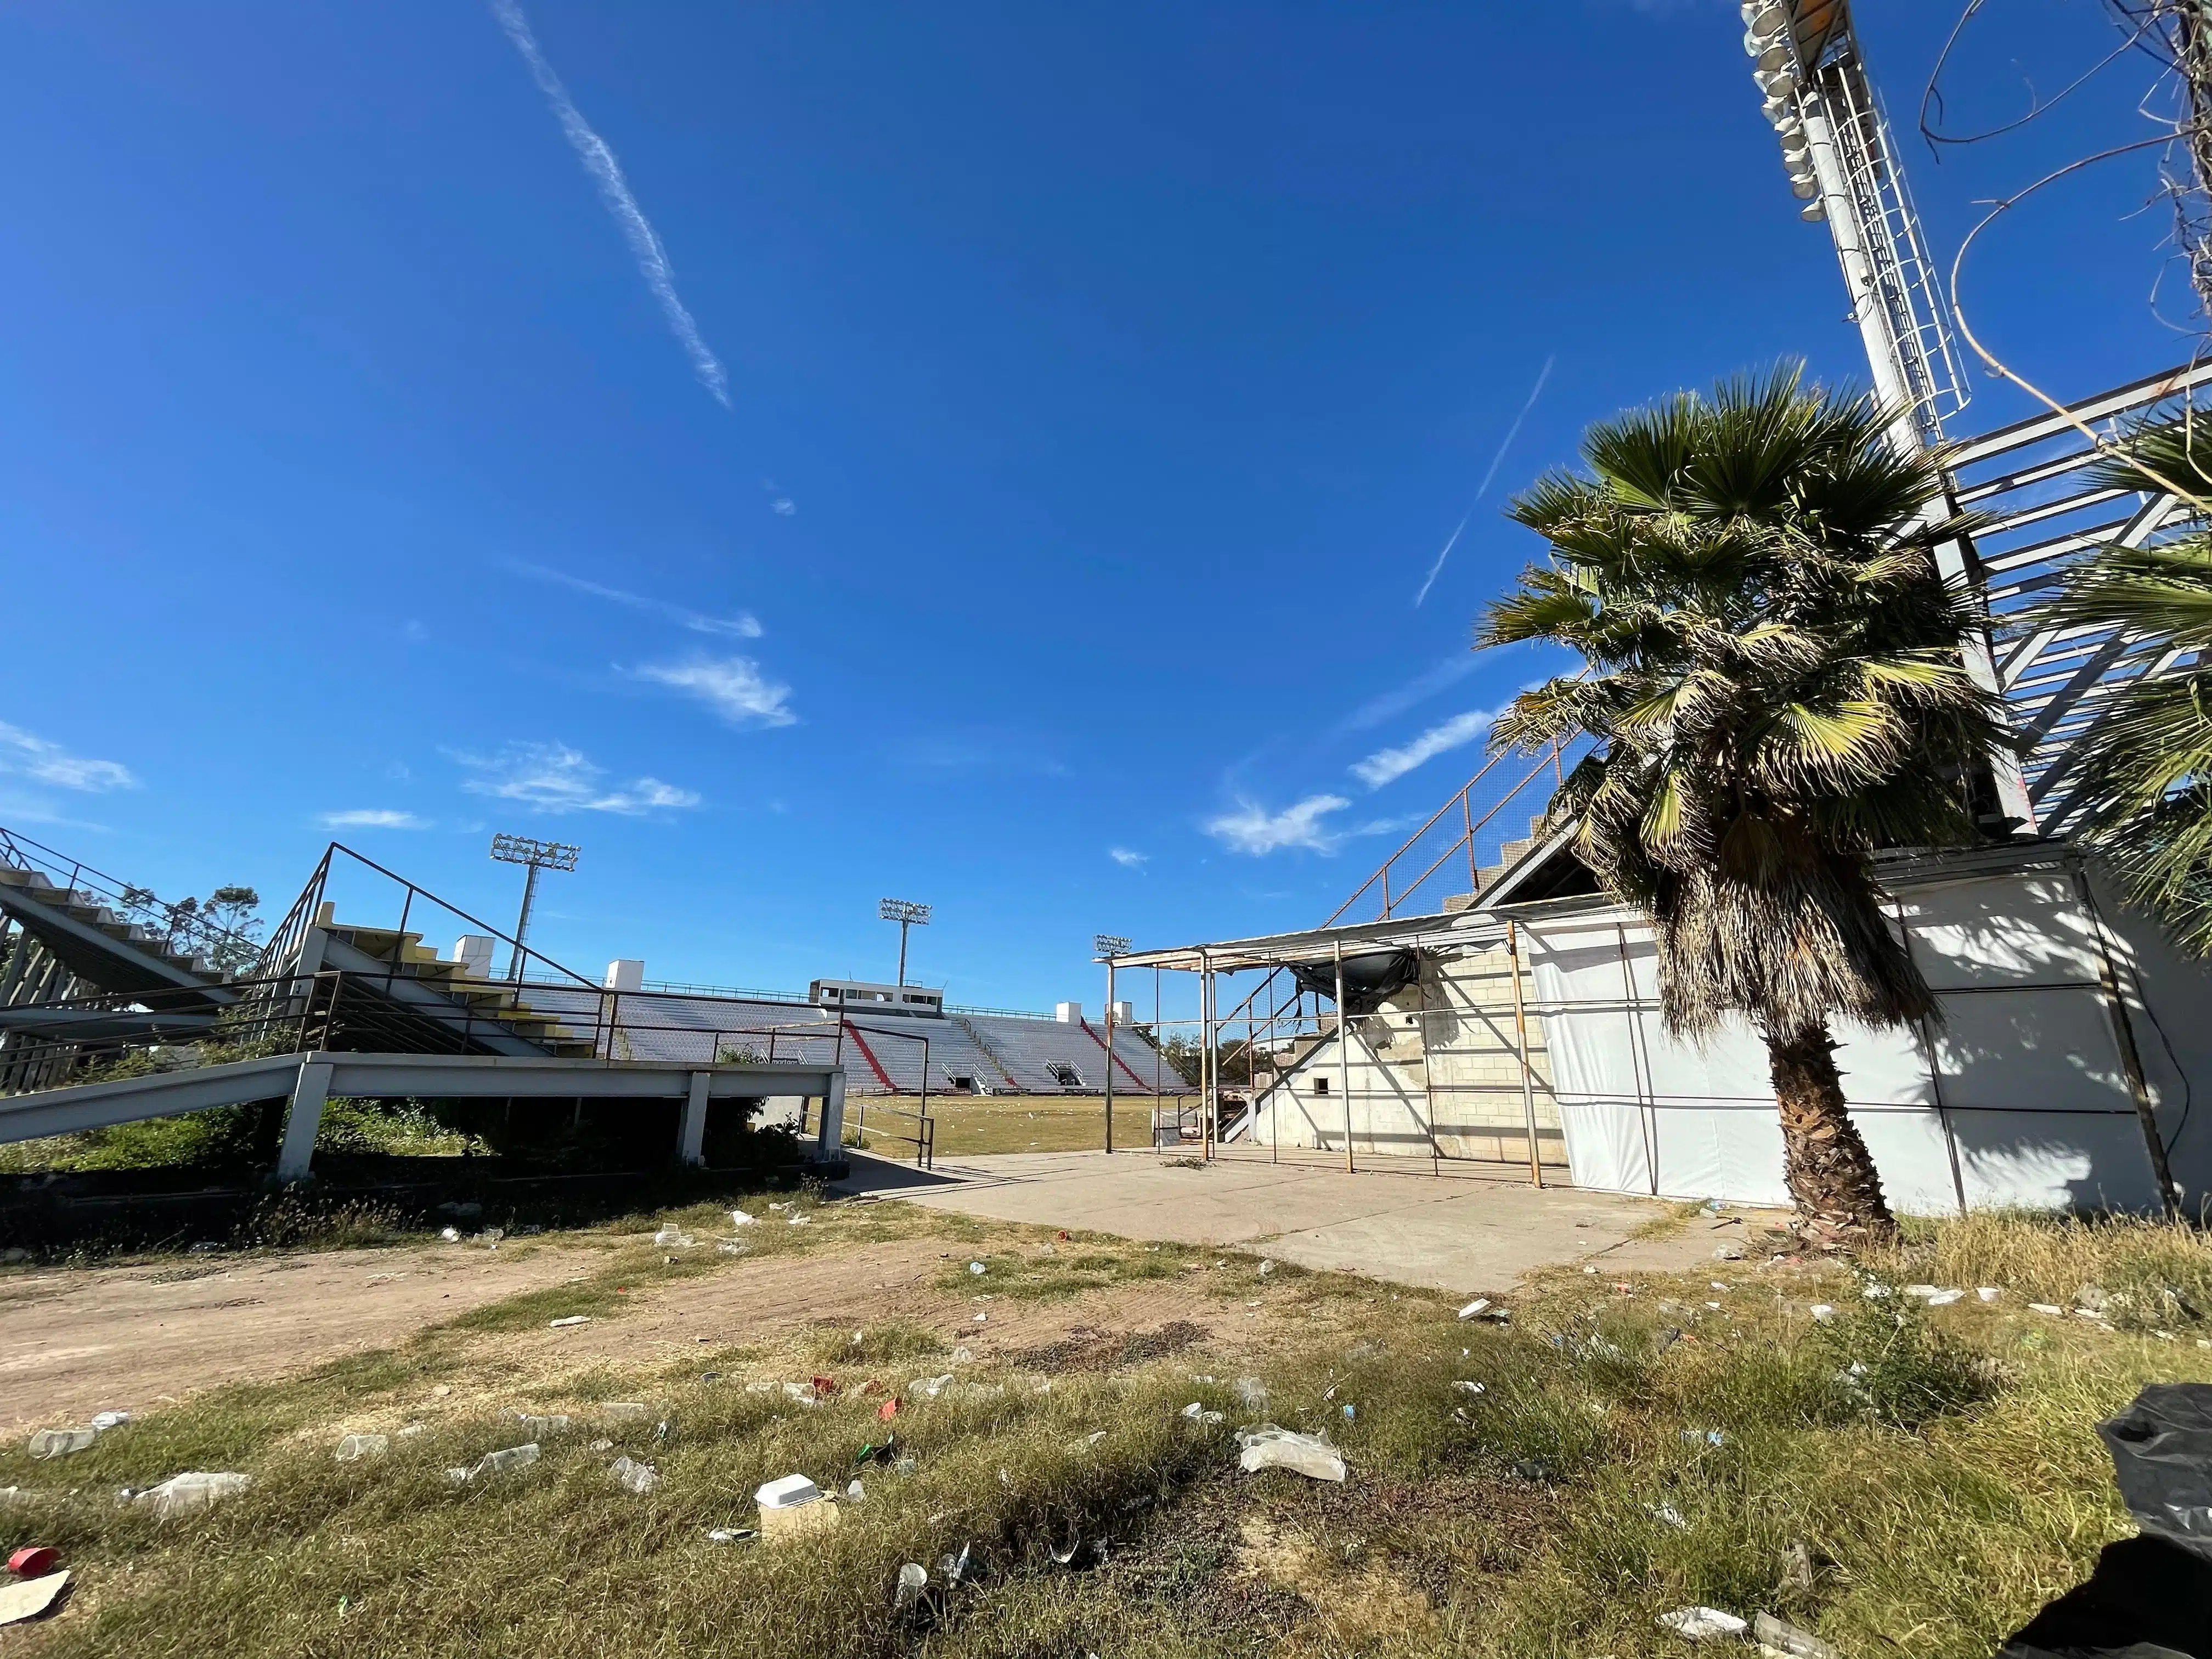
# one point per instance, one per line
(734, 687)
(31, 757)
(614, 190)
(1128, 860)
(1386, 765)
(1251, 828)
(743, 626)
(1390, 704)
(557, 779)
(1488, 477)
(374, 818)
(783, 507)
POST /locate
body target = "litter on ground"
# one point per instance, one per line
(1704, 1624)
(1775, 1636)
(633, 1476)
(1270, 1448)
(184, 1494)
(495, 1463)
(29, 1600)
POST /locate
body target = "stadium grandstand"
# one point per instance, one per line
(899, 1040)
(115, 1007)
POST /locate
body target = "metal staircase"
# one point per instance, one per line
(402, 993)
(72, 928)
(1007, 1082)
(433, 1006)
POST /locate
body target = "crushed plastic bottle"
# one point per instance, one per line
(183, 1494)
(633, 1476)
(61, 1443)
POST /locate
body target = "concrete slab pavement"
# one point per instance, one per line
(1469, 1229)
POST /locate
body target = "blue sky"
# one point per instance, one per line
(984, 454)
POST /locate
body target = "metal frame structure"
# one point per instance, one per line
(2029, 482)
(1836, 148)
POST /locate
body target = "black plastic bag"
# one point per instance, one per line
(2151, 1597)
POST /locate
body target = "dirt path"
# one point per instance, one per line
(764, 1300)
(77, 1342)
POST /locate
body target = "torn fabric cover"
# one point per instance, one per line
(1368, 977)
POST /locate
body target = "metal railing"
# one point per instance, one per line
(869, 1115)
(96, 1038)
(418, 906)
(1453, 833)
(183, 932)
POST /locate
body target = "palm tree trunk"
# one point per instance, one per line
(1830, 1172)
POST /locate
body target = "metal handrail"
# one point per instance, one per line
(24, 852)
(356, 1011)
(284, 944)
(1461, 799)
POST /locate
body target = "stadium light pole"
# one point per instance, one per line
(908, 914)
(536, 855)
(1109, 945)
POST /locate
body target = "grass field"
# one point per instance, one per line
(1900, 1479)
(970, 1125)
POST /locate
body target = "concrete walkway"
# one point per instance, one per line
(1471, 1228)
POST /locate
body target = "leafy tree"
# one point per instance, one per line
(1185, 1056)
(2145, 777)
(224, 927)
(1774, 682)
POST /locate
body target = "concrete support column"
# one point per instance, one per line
(691, 1138)
(310, 1094)
(830, 1143)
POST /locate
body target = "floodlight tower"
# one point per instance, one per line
(536, 855)
(907, 913)
(1842, 164)
(1108, 947)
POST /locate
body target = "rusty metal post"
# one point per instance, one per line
(2123, 1035)
(1521, 1041)
(1205, 1080)
(1109, 1056)
(1466, 810)
(1344, 1058)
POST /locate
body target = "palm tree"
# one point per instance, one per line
(2145, 778)
(1774, 680)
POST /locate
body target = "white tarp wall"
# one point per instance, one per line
(2021, 1095)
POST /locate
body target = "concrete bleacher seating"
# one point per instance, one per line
(1029, 1054)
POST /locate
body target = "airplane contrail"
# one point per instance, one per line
(1511, 433)
(614, 190)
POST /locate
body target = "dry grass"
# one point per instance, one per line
(2152, 1276)
(970, 1126)
(1628, 1453)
